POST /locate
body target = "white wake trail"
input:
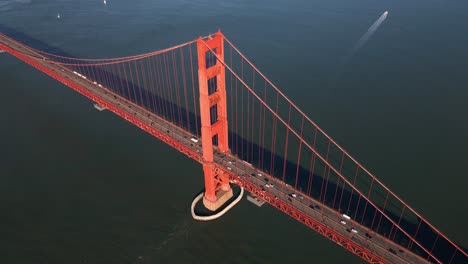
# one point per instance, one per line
(370, 32)
(363, 40)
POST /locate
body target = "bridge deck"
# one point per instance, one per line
(240, 172)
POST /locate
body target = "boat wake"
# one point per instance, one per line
(370, 32)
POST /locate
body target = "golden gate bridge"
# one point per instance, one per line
(207, 100)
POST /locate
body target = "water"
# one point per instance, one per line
(82, 186)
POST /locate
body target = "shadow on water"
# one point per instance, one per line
(351, 203)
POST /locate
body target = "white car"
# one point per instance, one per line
(354, 231)
(294, 195)
(343, 222)
(195, 140)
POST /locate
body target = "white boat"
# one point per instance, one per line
(58, 15)
(99, 107)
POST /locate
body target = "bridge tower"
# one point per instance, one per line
(213, 112)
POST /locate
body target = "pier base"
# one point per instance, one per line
(222, 197)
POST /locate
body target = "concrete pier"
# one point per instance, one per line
(221, 198)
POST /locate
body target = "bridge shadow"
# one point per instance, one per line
(327, 194)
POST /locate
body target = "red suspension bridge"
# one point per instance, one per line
(207, 100)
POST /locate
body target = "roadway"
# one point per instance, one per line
(378, 244)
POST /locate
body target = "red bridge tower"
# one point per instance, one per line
(213, 112)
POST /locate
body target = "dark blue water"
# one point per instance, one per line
(81, 186)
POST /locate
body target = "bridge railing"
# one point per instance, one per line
(269, 131)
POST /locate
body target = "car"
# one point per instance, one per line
(354, 231)
(229, 168)
(368, 236)
(194, 139)
(392, 251)
(259, 175)
(266, 179)
(346, 216)
(247, 163)
(301, 197)
(293, 195)
(343, 222)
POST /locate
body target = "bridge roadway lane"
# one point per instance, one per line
(329, 217)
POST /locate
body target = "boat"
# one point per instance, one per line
(99, 107)
(58, 15)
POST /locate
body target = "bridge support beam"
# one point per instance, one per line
(213, 112)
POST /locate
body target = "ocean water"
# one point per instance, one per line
(82, 186)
